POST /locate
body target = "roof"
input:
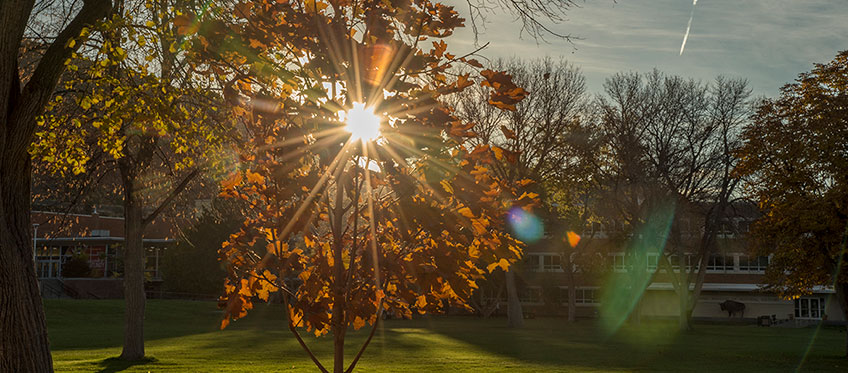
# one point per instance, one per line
(54, 225)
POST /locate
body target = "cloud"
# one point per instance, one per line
(767, 41)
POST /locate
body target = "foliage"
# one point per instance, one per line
(76, 266)
(407, 222)
(192, 266)
(796, 168)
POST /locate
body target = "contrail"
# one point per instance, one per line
(688, 26)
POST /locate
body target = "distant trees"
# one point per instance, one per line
(539, 142)
(667, 158)
(795, 165)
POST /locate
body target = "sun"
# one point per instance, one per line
(362, 123)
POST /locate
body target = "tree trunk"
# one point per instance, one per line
(23, 341)
(842, 297)
(23, 332)
(134, 295)
(515, 316)
(683, 292)
(572, 291)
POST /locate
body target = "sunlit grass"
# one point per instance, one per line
(182, 336)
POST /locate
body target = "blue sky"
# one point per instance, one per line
(766, 41)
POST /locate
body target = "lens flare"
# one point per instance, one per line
(524, 225)
(362, 123)
(624, 291)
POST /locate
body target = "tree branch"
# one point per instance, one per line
(174, 194)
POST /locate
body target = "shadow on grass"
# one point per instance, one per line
(116, 364)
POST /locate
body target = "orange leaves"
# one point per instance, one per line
(253, 177)
(503, 264)
(466, 212)
(508, 133)
(505, 94)
(573, 238)
(185, 24)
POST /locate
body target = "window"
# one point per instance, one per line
(531, 262)
(530, 295)
(653, 259)
(586, 296)
(551, 263)
(809, 308)
(617, 261)
(744, 226)
(720, 263)
(753, 264)
(563, 295)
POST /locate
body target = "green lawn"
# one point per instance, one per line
(182, 336)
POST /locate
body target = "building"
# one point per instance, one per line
(731, 274)
(82, 255)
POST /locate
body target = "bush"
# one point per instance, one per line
(76, 266)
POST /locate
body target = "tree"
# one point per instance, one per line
(670, 145)
(347, 224)
(134, 108)
(539, 142)
(796, 168)
(24, 337)
(193, 266)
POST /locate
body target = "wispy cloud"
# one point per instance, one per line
(688, 27)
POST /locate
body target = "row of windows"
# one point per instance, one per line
(619, 262)
(809, 308)
(535, 295)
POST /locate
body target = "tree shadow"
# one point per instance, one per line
(116, 364)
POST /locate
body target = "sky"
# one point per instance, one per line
(768, 42)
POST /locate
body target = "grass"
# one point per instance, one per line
(182, 336)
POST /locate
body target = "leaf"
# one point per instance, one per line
(421, 302)
(508, 133)
(253, 177)
(503, 264)
(466, 212)
(358, 323)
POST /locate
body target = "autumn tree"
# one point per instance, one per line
(669, 156)
(796, 168)
(24, 336)
(362, 194)
(132, 107)
(541, 142)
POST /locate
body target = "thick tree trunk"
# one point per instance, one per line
(23, 332)
(134, 295)
(514, 314)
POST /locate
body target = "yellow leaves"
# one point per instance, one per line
(225, 322)
(308, 241)
(466, 212)
(358, 323)
(446, 186)
(503, 264)
(421, 302)
(150, 24)
(85, 103)
(71, 43)
(499, 152)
